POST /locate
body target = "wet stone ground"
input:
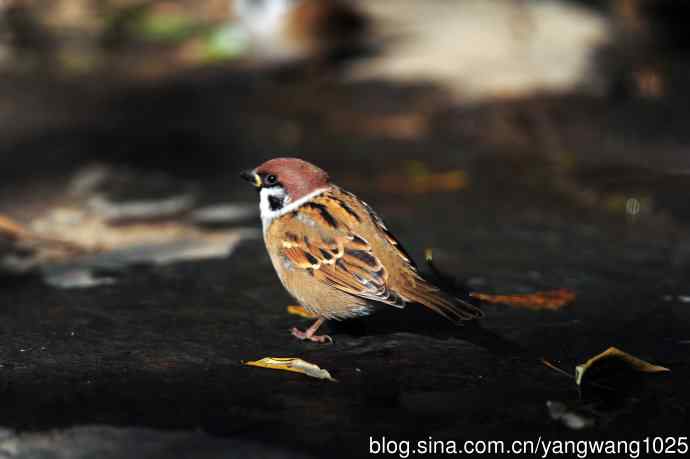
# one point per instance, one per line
(155, 358)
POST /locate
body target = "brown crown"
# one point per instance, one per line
(297, 176)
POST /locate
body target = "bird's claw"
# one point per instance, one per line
(323, 339)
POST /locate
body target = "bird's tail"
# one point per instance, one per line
(445, 304)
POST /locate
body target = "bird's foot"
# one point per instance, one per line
(310, 334)
(323, 339)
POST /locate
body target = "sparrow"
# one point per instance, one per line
(291, 30)
(333, 253)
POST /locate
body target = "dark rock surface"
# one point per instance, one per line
(111, 442)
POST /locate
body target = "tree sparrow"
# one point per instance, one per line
(333, 253)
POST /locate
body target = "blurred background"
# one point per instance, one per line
(580, 104)
(534, 144)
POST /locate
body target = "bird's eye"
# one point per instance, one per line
(271, 180)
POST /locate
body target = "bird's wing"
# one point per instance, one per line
(341, 241)
(318, 237)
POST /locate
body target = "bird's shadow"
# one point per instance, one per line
(418, 319)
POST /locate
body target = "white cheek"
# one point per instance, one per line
(268, 215)
(264, 202)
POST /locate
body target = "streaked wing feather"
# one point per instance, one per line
(323, 241)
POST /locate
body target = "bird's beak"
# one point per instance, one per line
(251, 177)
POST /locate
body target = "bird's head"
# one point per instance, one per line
(282, 182)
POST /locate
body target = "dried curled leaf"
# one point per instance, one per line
(11, 228)
(615, 353)
(550, 300)
(293, 364)
(297, 310)
(22, 237)
(555, 368)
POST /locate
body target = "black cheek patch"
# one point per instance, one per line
(275, 203)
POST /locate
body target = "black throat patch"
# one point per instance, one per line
(275, 202)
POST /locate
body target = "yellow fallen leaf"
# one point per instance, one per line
(615, 353)
(11, 228)
(300, 311)
(551, 300)
(293, 364)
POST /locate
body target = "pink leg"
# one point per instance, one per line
(310, 333)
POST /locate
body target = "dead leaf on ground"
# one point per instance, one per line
(297, 310)
(112, 218)
(292, 364)
(11, 228)
(69, 244)
(95, 234)
(556, 368)
(549, 300)
(417, 178)
(23, 237)
(616, 354)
